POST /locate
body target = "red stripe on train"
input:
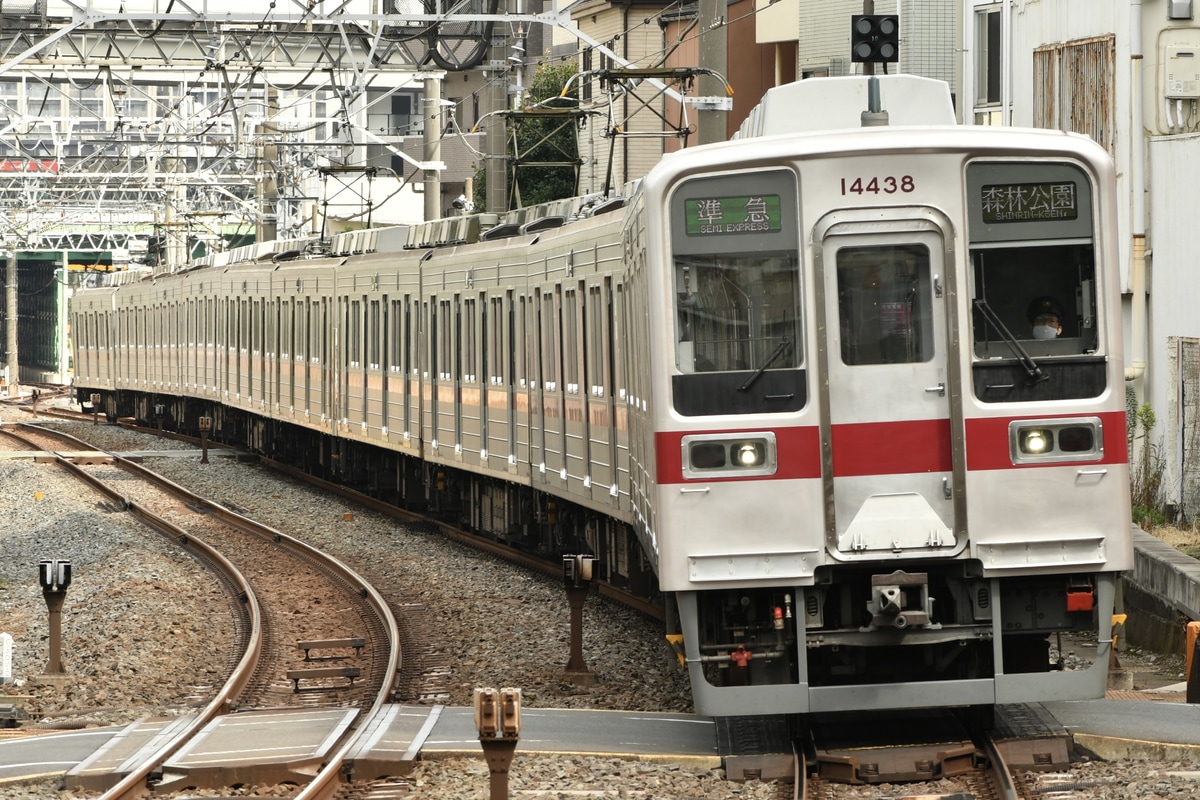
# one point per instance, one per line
(988, 447)
(798, 454)
(889, 448)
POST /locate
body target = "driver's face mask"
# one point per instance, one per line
(1045, 332)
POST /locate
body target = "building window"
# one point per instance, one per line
(990, 64)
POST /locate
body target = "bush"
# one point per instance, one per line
(1147, 468)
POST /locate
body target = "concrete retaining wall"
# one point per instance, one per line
(1161, 595)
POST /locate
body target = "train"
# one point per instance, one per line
(788, 384)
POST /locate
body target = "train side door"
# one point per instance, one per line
(892, 410)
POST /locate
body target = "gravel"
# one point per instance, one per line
(144, 628)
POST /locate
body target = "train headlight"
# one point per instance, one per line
(1036, 441)
(751, 454)
(728, 455)
(1042, 441)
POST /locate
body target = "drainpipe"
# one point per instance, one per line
(1136, 371)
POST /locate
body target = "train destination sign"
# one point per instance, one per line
(1029, 202)
(708, 216)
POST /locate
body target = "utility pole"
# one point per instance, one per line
(268, 170)
(432, 139)
(711, 119)
(496, 144)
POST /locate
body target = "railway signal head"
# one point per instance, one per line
(54, 576)
(875, 38)
(577, 570)
(510, 712)
(487, 711)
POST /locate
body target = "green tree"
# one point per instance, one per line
(543, 149)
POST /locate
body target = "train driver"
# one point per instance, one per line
(1046, 316)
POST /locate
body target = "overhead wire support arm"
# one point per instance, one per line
(340, 173)
(627, 78)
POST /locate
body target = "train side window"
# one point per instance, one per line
(570, 334)
(597, 341)
(884, 304)
(353, 333)
(735, 266)
(373, 335)
(497, 320)
(468, 344)
(617, 321)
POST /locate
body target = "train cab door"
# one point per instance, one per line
(891, 410)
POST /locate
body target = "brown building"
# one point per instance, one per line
(638, 123)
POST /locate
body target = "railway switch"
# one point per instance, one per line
(55, 577)
(577, 571)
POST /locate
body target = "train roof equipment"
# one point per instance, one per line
(839, 103)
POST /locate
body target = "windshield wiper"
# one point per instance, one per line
(780, 349)
(1031, 368)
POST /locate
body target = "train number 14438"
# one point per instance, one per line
(888, 185)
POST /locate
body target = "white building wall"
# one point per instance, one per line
(928, 31)
(1170, 138)
(825, 34)
(1037, 24)
(1174, 310)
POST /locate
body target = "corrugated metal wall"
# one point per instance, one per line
(1074, 88)
(1184, 448)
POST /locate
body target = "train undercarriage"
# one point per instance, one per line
(917, 633)
(515, 514)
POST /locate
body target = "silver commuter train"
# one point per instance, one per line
(791, 382)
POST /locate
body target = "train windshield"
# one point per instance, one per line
(1033, 288)
(737, 312)
(735, 270)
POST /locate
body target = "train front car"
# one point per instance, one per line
(890, 458)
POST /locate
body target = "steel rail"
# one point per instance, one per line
(508, 553)
(134, 784)
(326, 779)
(1001, 775)
(498, 549)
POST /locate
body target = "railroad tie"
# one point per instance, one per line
(297, 675)
(357, 642)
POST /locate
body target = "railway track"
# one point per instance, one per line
(534, 563)
(925, 754)
(975, 785)
(291, 600)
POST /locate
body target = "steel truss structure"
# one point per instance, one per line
(121, 117)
